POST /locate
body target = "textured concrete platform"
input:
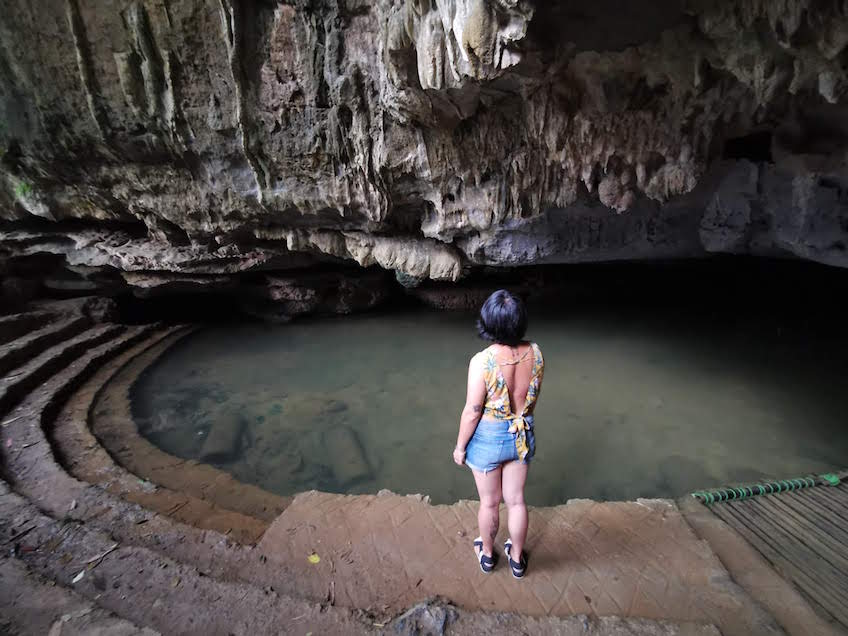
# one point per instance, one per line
(638, 559)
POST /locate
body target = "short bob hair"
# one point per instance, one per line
(503, 319)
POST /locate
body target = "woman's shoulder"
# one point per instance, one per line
(479, 356)
(483, 360)
(538, 351)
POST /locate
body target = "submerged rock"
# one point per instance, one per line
(346, 457)
(162, 421)
(223, 442)
(281, 470)
(335, 407)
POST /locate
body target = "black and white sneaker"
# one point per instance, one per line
(518, 568)
(487, 563)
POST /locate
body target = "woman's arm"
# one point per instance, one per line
(473, 410)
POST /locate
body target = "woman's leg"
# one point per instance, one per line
(514, 476)
(489, 489)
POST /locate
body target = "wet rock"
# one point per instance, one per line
(333, 292)
(408, 281)
(346, 456)
(303, 409)
(451, 297)
(223, 442)
(162, 421)
(100, 309)
(276, 409)
(281, 470)
(335, 406)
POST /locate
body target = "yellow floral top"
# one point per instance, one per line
(497, 396)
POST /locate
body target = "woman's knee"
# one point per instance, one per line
(490, 503)
(513, 499)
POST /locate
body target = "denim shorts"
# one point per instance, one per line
(492, 445)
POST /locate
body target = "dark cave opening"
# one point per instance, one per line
(790, 295)
(755, 147)
(797, 294)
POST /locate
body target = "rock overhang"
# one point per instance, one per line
(209, 140)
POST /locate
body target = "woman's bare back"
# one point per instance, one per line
(517, 375)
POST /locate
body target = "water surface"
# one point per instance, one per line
(633, 405)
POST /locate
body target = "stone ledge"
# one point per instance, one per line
(33, 606)
(110, 420)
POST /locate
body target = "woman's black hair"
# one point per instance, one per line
(503, 319)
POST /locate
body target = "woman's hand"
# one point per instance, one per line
(458, 456)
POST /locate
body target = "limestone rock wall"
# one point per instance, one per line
(202, 140)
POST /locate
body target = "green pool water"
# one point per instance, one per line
(632, 405)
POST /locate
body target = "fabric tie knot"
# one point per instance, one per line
(520, 427)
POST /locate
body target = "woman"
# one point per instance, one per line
(496, 439)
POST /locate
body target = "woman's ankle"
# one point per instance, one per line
(488, 553)
(515, 552)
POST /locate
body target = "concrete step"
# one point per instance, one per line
(150, 590)
(30, 345)
(223, 505)
(30, 464)
(26, 378)
(110, 419)
(31, 605)
(22, 430)
(17, 325)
